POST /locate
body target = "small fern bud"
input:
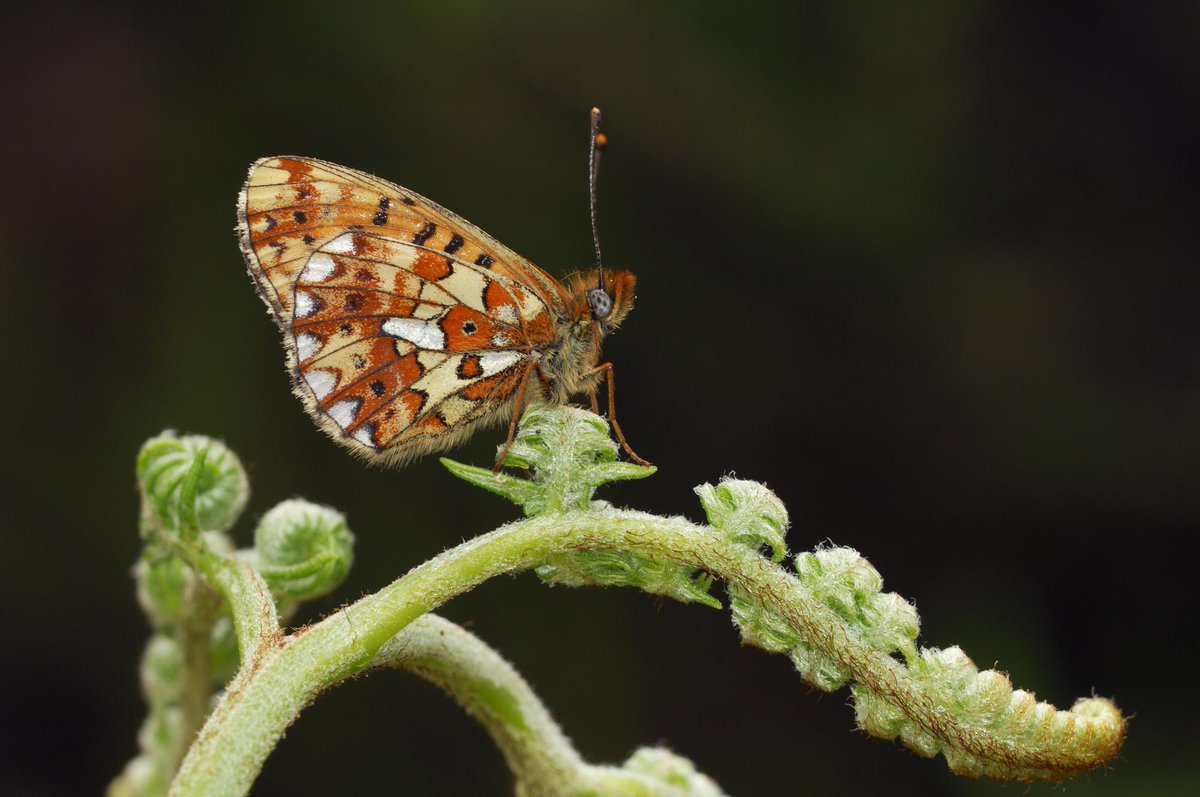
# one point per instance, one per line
(746, 512)
(818, 669)
(678, 775)
(876, 715)
(160, 737)
(945, 673)
(162, 667)
(890, 623)
(547, 433)
(594, 568)
(161, 586)
(760, 626)
(840, 578)
(303, 550)
(987, 695)
(1021, 712)
(139, 778)
(945, 670)
(570, 453)
(850, 586)
(221, 491)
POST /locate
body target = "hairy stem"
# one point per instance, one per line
(541, 758)
(195, 638)
(255, 619)
(267, 696)
(491, 691)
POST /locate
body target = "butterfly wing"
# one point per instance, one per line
(406, 327)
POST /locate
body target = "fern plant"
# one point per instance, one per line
(220, 639)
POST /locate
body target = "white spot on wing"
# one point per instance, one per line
(425, 334)
(493, 362)
(363, 436)
(305, 306)
(344, 412)
(506, 313)
(321, 382)
(307, 345)
(342, 245)
(318, 268)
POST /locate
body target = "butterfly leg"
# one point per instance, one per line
(596, 356)
(607, 369)
(518, 405)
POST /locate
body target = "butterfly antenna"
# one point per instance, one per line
(597, 142)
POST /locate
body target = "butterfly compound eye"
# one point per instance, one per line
(600, 302)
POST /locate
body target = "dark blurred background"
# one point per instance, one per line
(929, 270)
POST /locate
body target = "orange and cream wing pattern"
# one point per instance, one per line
(404, 324)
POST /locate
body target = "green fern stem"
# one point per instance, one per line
(541, 758)
(288, 672)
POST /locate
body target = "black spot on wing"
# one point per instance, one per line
(427, 231)
(485, 260)
(381, 217)
(456, 242)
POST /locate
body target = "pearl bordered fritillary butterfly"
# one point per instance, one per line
(406, 327)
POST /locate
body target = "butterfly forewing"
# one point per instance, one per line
(405, 325)
(292, 206)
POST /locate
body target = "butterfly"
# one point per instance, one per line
(407, 328)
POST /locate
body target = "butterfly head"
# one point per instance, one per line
(608, 296)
